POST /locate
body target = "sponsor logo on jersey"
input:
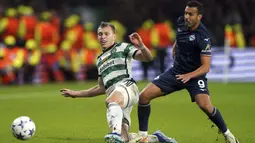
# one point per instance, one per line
(106, 66)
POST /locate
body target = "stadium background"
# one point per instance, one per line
(230, 22)
(69, 28)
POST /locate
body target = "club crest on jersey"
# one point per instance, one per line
(192, 37)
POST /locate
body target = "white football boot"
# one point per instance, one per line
(229, 137)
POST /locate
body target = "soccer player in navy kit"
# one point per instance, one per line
(192, 58)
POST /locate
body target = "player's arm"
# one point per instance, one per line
(204, 68)
(91, 92)
(143, 53)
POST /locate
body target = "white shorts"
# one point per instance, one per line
(130, 93)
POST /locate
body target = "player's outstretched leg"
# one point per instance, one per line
(218, 120)
(114, 119)
(150, 92)
(204, 103)
(113, 138)
(162, 138)
(143, 118)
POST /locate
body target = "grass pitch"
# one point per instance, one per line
(66, 120)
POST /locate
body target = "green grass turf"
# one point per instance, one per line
(66, 120)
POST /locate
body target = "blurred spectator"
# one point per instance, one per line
(7, 75)
(90, 51)
(145, 32)
(73, 31)
(233, 28)
(16, 55)
(162, 36)
(68, 62)
(45, 33)
(9, 23)
(27, 24)
(31, 62)
(55, 21)
(51, 67)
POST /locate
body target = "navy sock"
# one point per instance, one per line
(143, 116)
(217, 119)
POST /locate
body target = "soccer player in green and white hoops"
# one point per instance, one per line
(115, 79)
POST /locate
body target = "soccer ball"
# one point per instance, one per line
(23, 128)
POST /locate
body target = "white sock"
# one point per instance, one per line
(114, 117)
(143, 133)
(227, 132)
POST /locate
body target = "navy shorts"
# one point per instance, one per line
(168, 83)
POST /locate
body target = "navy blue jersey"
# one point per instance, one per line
(189, 47)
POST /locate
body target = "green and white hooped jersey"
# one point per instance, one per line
(115, 63)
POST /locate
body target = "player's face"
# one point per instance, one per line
(106, 36)
(192, 18)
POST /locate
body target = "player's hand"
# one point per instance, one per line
(183, 77)
(69, 93)
(136, 40)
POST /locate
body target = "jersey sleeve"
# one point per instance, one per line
(205, 46)
(130, 50)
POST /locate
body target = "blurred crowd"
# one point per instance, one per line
(38, 46)
(34, 51)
